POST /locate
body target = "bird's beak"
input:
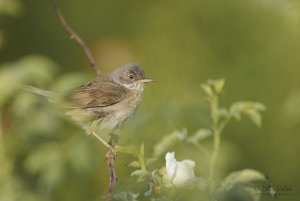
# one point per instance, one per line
(146, 80)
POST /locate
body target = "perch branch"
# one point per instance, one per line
(110, 160)
(76, 37)
(111, 154)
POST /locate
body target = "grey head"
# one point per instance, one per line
(130, 76)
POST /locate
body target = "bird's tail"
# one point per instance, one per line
(52, 96)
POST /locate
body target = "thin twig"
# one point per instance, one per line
(111, 154)
(76, 37)
(110, 160)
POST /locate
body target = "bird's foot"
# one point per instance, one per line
(110, 158)
(111, 155)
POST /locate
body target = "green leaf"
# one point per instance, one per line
(11, 7)
(255, 117)
(34, 69)
(142, 150)
(219, 85)
(201, 134)
(134, 164)
(169, 140)
(126, 149)
(207, 89)
(140, 174)
(250, 109)
(241, 177)
(150, 161)
(223, 112)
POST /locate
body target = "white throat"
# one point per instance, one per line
(135, 86)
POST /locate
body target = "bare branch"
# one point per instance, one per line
(76, 37)
(110, 160)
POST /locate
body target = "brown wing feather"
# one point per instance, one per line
(98, 93)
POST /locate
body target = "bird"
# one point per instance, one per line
(102, 105)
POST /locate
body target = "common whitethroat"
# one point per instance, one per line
(103, 105)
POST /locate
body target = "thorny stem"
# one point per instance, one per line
(110, 160)
(76, 37)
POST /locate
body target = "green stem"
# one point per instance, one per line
(214, 106)
(217, 128)
(216, 146)
(142, 162)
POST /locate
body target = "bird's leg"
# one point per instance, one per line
(113, 141)
(107, 145)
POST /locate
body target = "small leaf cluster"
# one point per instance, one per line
(221, 115)
(141, 163)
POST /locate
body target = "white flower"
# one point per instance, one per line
(179, 173)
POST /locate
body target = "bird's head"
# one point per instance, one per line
(131, 76)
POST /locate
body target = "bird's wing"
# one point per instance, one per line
(98, 93)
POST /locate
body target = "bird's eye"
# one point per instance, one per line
(131, 76)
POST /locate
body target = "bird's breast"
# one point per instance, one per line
(123, 110)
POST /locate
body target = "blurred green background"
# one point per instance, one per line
(253, 44)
